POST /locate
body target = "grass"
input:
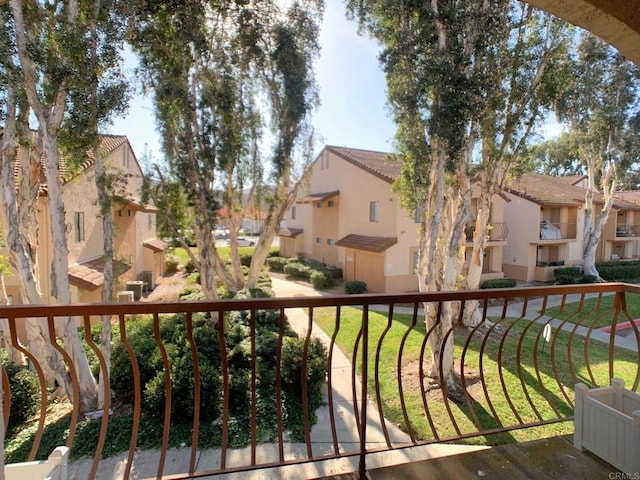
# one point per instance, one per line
(597, 311)
(533, 398)
(225, 253)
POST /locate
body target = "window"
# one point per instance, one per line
(416, 262)
(330, 203)
(374, 211)
(318, 204)
(149, 222)
(329, 241)
(293, 213)
(318, 240)
(79, 224)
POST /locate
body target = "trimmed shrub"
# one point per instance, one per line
(568, 272)
(25, 394)
(567, 280)
(171, 265)
(498, 283)
(619, 271)
(190, 267)
(297, 270)
(245, 258)
(355, 287)
(589, 279)
(191, 292)
(277, 264)
(321, 279)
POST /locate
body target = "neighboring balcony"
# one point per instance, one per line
(515, 370)
(497, 234)
(552, 233)
(627, 232)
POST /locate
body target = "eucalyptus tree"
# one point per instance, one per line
(60, 50)
(220, 74)
(458, 73)
(559, 156)
(601, 106)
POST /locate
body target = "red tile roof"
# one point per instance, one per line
(90, 275)
(382, 165)
(155, 244)
(367, 243)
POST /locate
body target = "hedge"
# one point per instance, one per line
(619, 271)
(355, 287)
(499, 283)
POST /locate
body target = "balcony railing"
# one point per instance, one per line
(515, 370)
(496, 232)
(557, 231)
(627, 230)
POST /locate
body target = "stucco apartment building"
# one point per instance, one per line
(139, 253)
(349, 217)
(545, 217)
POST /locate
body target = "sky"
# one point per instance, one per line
(352, 112)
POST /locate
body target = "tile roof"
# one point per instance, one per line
(318, 197)
(290, 232)
(90, 275)
(548, 190)
(155, 244)
(382, 165)
(108, 143)
(367, 243)
(571, 179)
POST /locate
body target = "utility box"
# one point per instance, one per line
(136, 287)
(125, 296)
(146, 276)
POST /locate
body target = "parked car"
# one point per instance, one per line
(243, 242)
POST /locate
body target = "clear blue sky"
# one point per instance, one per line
(352, 112)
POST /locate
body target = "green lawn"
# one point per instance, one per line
(530, 401)
(597, 312)
(225, 253)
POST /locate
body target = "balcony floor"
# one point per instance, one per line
(541, 459)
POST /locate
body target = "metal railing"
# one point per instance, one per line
(496, 232)
(627, 230)
(557, 231)
(516, 369)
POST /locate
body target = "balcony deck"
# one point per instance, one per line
(512, 334)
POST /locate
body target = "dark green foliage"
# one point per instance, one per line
(589, 279)
(277, 264)
(499, 283)
(25, 393)
(321, 280)
(355, 287)
(245, 258)
(190, 267)
(619, 271)
(298, 270)
(171, 265)
(568, 272)
(567, 280)
(191, 292)
(140, 335)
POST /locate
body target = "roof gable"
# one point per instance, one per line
(380, 164)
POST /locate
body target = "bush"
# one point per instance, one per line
(140, 335)
(191, 292)
(567, 280)
(499, 283)
(321, 280)
(589, 279)
(619, 271)
(171, 264)
(190, 267)
(355, 287)
(277, 264)
(25, 394)
(568, 272)
(297, 270)
(245, 258)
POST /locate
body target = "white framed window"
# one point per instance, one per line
(78, 222)
(374, 212)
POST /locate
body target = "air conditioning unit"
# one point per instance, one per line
(125, 296)
(147, 277)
